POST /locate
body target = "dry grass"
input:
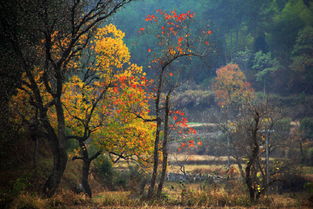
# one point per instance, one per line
(66, 197)
(113, 198)
(211, 169)
(231, 195)
(176, 196)
(29, 201)
(182, 157)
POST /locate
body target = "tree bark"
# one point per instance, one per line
(59, 165)
(85, 175)
(155, 158)
(35, 153)
(164, 147)
(86, 165)
(255, 151)
(157, 136)
(301, 151)
(85, 170)
(57, 144)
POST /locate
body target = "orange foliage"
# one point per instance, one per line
(230, 86)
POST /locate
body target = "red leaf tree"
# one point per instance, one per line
(175, 40)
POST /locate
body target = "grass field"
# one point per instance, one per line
(231, 194)
(200, 195)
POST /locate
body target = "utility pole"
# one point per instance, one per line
(228, 151)
(267, 158)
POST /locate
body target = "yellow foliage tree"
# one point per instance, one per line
(102, 105)
(102, 100)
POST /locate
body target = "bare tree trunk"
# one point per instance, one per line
(86, 165)
(35, 153)
(85, 175)
(164, 148)
(59, 165)
(157, 136)
(159, 123)
(254, 155)
(57, 144)
(301, 151)
(155, 158)
(85, 170)
(58, 151)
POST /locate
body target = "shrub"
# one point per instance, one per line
(71, 144)
(138, 180)
(67, 198)
(119, 199)
(20, 184)
(121, 179)
(306, 127)
(309, 156)
(291, 182)
(27, 201)
(213, 197)
(104, 168)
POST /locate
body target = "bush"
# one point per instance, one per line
(20, 185)
(67, 198)
(283, 126)
(71, 144)
(306, 127)
(27, 201)
(292, 182)
(137, 180)
(213, 197)
(121, 179)
(119, 199)
(309, 156)
(104, 168)
(133, 179)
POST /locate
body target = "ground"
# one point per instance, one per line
(176, 195)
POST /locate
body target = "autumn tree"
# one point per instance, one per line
(175, 39)
(258, 132)
(101, 101)
(64, 29)
(182, 133)
(231, 87)
(100, 106)
(232, 93)
(249, 130)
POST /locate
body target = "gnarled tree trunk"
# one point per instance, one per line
(85, 175)
(250, 173)
(59, 165)
(86, 165)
